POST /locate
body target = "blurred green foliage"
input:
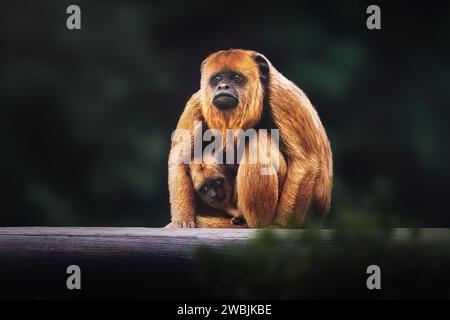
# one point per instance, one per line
(86, 116)
(318, 264)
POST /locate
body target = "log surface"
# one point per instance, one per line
(125, 262)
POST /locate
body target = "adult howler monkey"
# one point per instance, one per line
(241, 89)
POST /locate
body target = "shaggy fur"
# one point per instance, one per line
(305, 156)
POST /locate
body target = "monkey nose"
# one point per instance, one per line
(212, 195)
(223, 87)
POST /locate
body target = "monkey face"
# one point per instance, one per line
(232, 89)
(214, 192)
(212, 184)
(226, 84)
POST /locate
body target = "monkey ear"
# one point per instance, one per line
(203, 65)
(263, 65)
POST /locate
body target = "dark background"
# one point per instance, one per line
(86, 116)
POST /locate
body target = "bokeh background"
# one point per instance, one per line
(86, 116)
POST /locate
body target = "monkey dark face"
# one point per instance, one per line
(212, 182)
(226, 85)
(232, 89)
(213, 191)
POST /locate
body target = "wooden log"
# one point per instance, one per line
(124, 262)
(115, 262)
(42, 243)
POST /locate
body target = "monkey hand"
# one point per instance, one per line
(181, 224)
(238, 220)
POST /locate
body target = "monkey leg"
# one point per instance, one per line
(216, 222)
(212, 222)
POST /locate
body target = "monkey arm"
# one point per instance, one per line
(182, 197)
(300, 133)
(181, 189)
(297, 190)
(233, 212)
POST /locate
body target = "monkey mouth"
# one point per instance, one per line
(219, 200)
(224, 101)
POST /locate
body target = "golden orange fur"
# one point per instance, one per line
(199, 173)
(306, 157)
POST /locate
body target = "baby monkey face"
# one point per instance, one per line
(214, 190)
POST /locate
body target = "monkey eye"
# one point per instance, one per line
(218, 182)
(217, 79)
(204, 189)
(237, 78)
